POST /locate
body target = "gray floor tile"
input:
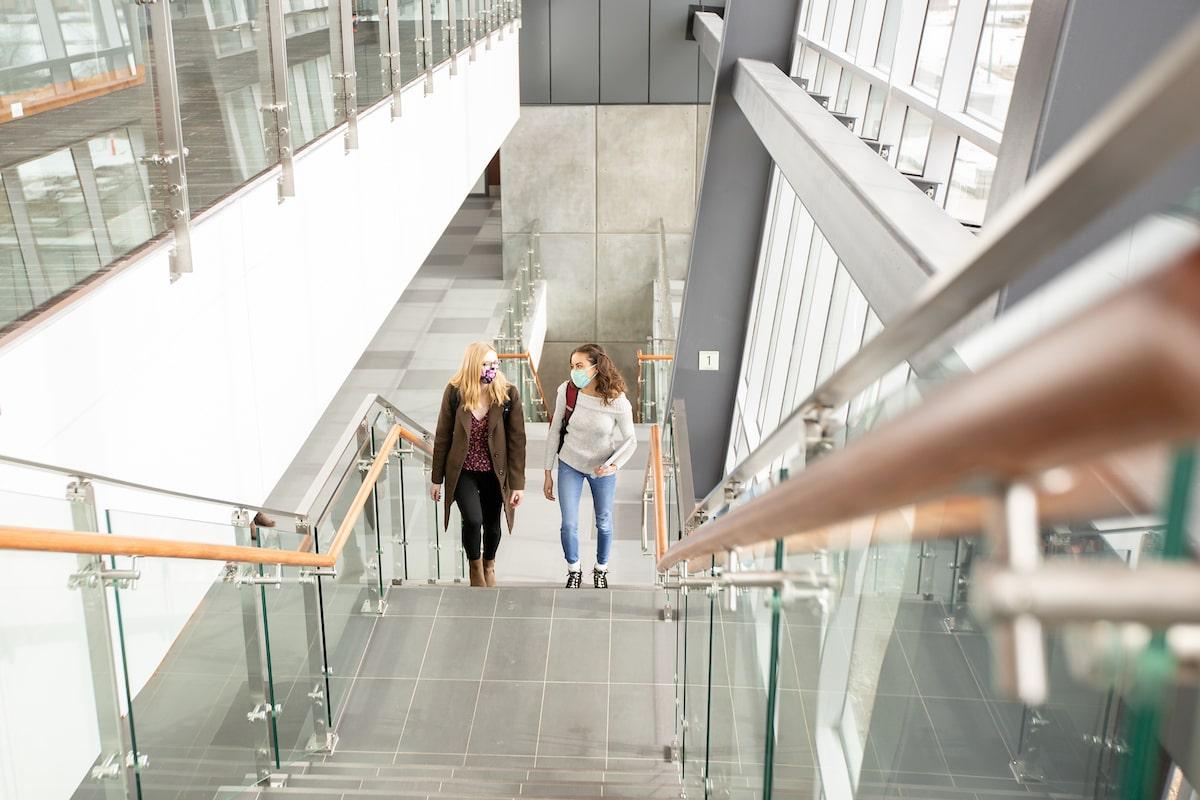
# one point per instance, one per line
(793, 743)
(640, 720)
(374, 712)
(424, 379)
(397, 648)
(440, 718)
(458, 324)
(517, 651)
(423, 295)
(456, 648)
(642, 652)
(574, 720)
(582, 603)
(525, 603)
(902, 737)
(506, 720)
(417, 601)
(385, 359)
(637, 605)
(938, 665)
(579, 651)
(468, 602)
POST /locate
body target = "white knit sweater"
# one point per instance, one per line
(594, 432)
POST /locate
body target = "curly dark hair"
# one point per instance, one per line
(609, 382)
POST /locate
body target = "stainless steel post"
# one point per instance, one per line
(277, 113)
(472, 25)
(372, 548)
(323, 739)
(263, 708)
(114, 774)
(452, 34)
(345, 80)
(390, 41)
(427, 43)
(172, 157)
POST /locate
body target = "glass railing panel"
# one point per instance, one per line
(420, 514)
(462, 12)
(223, 56)
(58, 672)
(742, 673)
(311, 67)
(80, 188)
(294, 647)
(372, 80)
(333, 498)
(699, 644)
(412, 53)
(451, 556)
(440, 19)
(185, 646)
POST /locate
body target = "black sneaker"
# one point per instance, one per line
(574, 579)
(600, 578)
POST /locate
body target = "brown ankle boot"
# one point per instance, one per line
(477, 573)
(489, 572)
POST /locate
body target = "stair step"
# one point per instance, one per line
(664, 774)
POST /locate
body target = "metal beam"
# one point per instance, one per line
(1128, 142)
(724, 255)
(709, 28)
(889, 235)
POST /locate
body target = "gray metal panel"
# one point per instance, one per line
(575, 51)
(674, 61)
(624, 51)
(535, 51)
(724, 257)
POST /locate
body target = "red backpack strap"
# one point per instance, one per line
(572, 396)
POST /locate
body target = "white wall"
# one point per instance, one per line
(211, 384)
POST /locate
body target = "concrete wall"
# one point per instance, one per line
(595, 180)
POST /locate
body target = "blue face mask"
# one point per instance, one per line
(580, 378)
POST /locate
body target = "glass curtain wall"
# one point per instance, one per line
(904, 75)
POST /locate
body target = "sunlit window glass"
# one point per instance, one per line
(842, 101)
(935, 44)
(914, 143)
(829, 83)
(15, 295)
(816, 17)
(970, 182)
(58, 219)
(997, 59)
(856, 21)
(887, 35)
(873, 116)
(122, 191)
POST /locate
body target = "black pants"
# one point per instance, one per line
(481, 504)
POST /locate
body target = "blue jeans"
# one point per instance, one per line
(570, 488)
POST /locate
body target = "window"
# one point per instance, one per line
(58, 219)
(873, 116)
(996, 60)
(817, 11)
(842, 101)
(970, 182)
(887, 35)
(935, 44)
(122, 190)
(856, 21)
(914, 143)
(829, 84)
(15, 295)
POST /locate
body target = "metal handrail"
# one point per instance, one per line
(59, 541)
(1120, 375)
(1138, 133)
(528, 357)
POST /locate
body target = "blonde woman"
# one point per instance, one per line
(479, 453)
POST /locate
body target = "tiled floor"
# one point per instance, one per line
(514, 677)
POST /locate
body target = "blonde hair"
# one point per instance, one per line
(470, 389)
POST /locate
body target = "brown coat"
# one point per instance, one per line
(506, 442)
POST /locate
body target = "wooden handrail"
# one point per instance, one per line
(1121, 375)
(59, 541)
(654, 356)
(660, 494)
(537, 381)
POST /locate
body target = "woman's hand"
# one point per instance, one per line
(435, 491)
(518, 496)
(606, 470)
(548, 487)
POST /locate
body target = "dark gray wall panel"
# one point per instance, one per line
(535, 51)
(624, 51)
(575, 51)
(674, 61)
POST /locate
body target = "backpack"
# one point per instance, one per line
(572, 396)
